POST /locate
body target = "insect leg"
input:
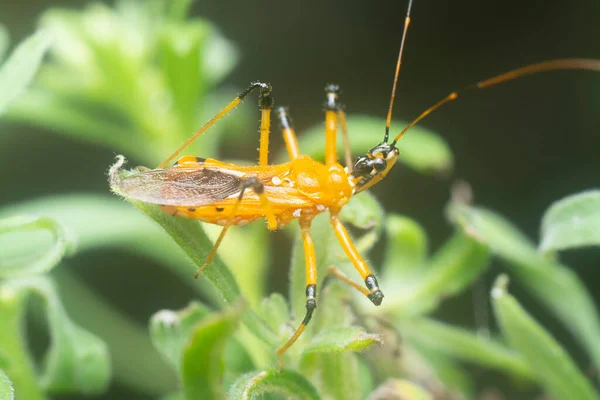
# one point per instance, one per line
(374, 293)
(291, 143)
(340, 275)
(258, 188)
(311, 289)
(265, 97)
(345, 138)
(265, 104)
(331, 121)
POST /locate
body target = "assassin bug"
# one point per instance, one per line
(227, 194)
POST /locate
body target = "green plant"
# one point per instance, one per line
(145, 101)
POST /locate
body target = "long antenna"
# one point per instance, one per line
(551, 65)
(388, 120)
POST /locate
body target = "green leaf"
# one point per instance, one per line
(333, 365)
(138, 77)
(170, 330)
(179, 48)
(339, 340)
(275, 311)
(572, 222)
(464, 345)
(450, 271)
(406, 249)
(220, 57)
(420, 149)
(4, 41)
(173, 396)
(363, 212)
(7, 391)
(21, 238)
(548, 360)
(441, 373)
(135, 362)
(542, 277)
(76, 362)
(202, 363)
(20, 68)
(288, 384)
(400, 389)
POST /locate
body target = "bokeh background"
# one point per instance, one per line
(520, 146)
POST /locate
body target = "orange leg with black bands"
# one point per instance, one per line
(331, 122)
(375, 294)
(272, 222)
(311, 289)
(265, 101)
(291, 143)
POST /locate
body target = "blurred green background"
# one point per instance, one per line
(521, 145)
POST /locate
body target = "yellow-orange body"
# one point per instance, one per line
(299, 189)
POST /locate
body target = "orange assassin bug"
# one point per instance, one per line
(226, 194)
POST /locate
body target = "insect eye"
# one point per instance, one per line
(379, 164)
(362, 166)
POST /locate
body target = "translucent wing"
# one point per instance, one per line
(180, 186)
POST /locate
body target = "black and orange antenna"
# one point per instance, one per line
(388, 120)
(550, 65)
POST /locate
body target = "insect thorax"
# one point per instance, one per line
(325, 185)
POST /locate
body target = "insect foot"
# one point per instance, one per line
(376, 295)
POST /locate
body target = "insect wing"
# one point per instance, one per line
(181, 186)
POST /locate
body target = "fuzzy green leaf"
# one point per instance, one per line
(136, 77)
(202, 363)
(135, 362)
(334, 365)
(550, 363)
(339, 340)
(464, 345)
(21, 239)
(21, 66)
(442, 373)
(179, 49)
(400, 389)
(420, 149)
(100, 222)
(572, 222)
(289, 384)
(544, 278)
(275, 311)
(406, 250)
(77, 361)
(450, 270)
(170, 330)
(7, 392)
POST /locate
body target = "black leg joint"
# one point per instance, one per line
(311, 302)
(376, 295)
(265, 99)
(253, 183)
(285, 121)
(333, 95)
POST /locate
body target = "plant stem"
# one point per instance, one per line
(20, 369)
